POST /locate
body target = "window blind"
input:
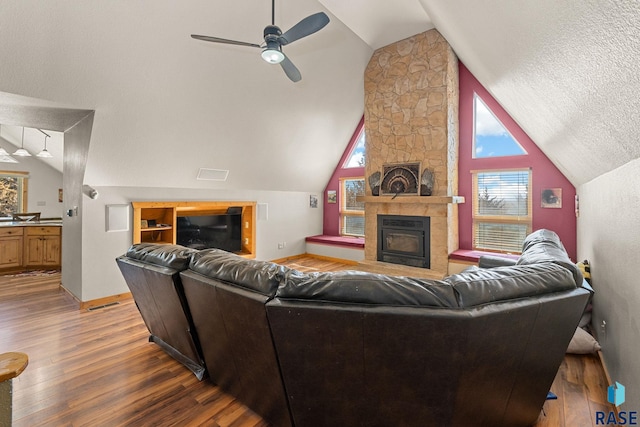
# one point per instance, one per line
(352, 210)
(501, 209)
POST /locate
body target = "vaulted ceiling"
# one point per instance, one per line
(167, 105)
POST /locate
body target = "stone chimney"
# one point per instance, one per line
(411, 116)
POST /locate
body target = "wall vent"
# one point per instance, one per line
(205, 174)
(98, 307)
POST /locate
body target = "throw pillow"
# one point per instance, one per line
(583, 343)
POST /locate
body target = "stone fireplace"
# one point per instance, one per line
(411, 118)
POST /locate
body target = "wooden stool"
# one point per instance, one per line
(11, 365)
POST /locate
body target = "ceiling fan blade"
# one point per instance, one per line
(290, 70)
(307, 26)
(225, 41)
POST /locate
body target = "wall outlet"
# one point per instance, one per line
(281, 245)
(603, 327)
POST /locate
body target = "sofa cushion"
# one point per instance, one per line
(542, 235)
(366, 288)
(172, 256)
(545, 246)
(259, 276)
(480, 286)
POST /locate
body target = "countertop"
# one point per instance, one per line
(45, 222)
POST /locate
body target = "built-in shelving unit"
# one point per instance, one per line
(156, 221)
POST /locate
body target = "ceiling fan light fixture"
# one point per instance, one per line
(272, 56)
(274, 39)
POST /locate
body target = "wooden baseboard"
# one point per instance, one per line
(321, 257)
(604, 367)
(332, 259)
(92, 304)
(287, 258)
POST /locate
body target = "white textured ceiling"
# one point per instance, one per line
(167, 105)
(568, 72)
(381, 22)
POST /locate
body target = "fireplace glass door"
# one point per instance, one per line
(404, 240)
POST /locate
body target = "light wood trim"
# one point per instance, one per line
(11, 231)
(168, 211)
(331, 259)
(289, 258)
(42, 230)
(307, 256)
(12, 364)
(604, 367)
(105, 301)
(439, 200)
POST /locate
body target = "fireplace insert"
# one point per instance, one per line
(404, 240)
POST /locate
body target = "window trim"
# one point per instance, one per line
(343, 212)
(474, 134)
(476, 218)
(24, 176)
(359, 134)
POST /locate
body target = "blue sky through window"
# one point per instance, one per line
(491, 138)
(356, 157)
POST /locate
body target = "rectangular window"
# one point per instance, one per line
(351, 210)
(13, 193)
(501, 209)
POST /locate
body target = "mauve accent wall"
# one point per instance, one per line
(331, 224)
(545, 174)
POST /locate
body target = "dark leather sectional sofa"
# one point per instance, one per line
(479, 348)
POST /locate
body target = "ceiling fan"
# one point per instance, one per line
(274, 39)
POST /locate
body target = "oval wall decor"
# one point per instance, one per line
(400, 179)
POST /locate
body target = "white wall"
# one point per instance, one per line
(44, 182)
(290, 220)
(609, 237)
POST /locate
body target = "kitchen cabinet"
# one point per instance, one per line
(42, 246)
(32, 246)
(11, 247)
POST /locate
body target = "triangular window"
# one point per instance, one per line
(356, 157)
(490, 137)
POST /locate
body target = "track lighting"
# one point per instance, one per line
(21, 151)
(44, 153)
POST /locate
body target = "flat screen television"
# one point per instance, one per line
(222, 231)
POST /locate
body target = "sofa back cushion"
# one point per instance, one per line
(542, 236)
(258, 276)
(366, 288)
(171, 256)
(479, 286)
(545, 246)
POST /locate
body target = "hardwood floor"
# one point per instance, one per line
(96, 368)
